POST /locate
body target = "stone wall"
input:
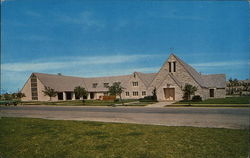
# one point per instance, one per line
(40, 89)
(130, 88)
(27, 91)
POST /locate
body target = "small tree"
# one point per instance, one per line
(14, 95)
(20, 95)
(188, 91)
(116, 89)
(154, 94)
(80, 92)
(49, 92)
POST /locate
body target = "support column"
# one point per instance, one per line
(73, 96)
(64, 95)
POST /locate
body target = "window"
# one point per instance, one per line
(127, 93)
(34, 98)
(135, 93)
(106, 85)
(135, 84)
(34, 89)
(169, 66)
(174, 66)
(34, 94)
(33, 80)
(143, 93)
(33, 84)
(94, 85)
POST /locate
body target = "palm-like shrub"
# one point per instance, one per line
(80, 92)
(188, 91)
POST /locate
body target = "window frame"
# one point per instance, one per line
(94, 85)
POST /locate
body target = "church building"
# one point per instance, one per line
(168, 81)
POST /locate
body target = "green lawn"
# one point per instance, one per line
(38, 138)
(87, 103)
(227, 100)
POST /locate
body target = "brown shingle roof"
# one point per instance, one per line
(215, 80)
(101, 80)
(59, 82)
(147, 78)
(68, 83)
(196, 76)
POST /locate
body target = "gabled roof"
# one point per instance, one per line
(59, 82)
(147, 78)
(68, 83)
(196, 76)
(215, 80)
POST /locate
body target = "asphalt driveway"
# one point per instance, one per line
(168, 116)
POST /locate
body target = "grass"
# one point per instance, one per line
(38, 138)
(129, 102)
(227, 100)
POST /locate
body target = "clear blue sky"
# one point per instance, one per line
(99, 38)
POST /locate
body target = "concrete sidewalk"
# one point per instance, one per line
(160, 104)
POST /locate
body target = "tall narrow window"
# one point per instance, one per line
(169, 66)
(135, 93)
(135, 84)
(174, 66)
(34, 94)
(127, 93)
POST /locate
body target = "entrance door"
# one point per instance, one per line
(211, 92)
(169, 93)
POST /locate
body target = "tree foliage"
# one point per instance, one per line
(80, 92)
(49, 92)
(154, 94)
(188, 91)
(116, 89)
(20, 95)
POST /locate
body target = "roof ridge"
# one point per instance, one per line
(141, 79)
(185, 65)
(56, 75)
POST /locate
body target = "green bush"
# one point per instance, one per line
(197, 98)
(147, 99)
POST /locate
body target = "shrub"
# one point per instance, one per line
(147, 99)
(116, 100)
(196, 98)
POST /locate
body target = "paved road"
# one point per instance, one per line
(169, 116)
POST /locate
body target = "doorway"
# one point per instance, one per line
(92, 95)
(169, 93)
(60, 96)
(211, 92)
(68, 95)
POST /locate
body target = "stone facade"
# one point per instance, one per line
(169, 82)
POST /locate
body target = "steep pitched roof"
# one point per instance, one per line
(68, 83)
(59, 82)
(215, 80)
(196, 76)
(147, 78)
